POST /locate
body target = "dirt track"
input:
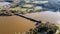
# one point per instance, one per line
(11, 24)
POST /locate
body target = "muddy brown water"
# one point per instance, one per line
(12, 24)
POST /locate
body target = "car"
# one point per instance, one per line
(16, 8)
(40, 2)
(37, 8)
(28, 5)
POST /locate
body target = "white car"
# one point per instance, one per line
(28, 5)
(37, 8)
(40, 2)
